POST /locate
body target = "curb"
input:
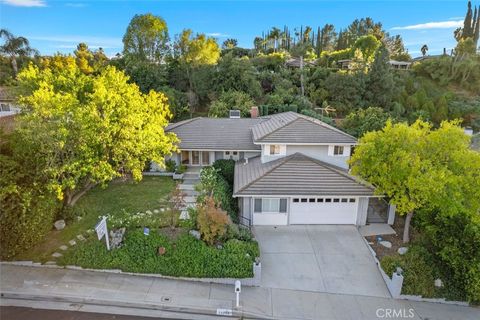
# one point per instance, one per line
(235, 313)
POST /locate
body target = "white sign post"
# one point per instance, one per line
(238, 289)
(102, 230)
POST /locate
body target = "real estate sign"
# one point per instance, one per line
(101, 229)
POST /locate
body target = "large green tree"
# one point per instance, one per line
(90, 129)
(14, 47)
(419, 168)
(146, 38)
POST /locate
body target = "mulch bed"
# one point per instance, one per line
(395, 239)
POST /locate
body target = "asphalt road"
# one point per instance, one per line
(18, 313)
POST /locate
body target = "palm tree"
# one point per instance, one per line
(15, 47)
(424, 49)
(275, 34)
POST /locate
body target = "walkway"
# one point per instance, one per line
(84, 288)
(190, 178)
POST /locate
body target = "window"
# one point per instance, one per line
(338, 150)
(344, 199)
(303, 200)
(351, 200)
(320, 200)
(205, 158)
(270, 205)
(296, 200)
(274, 149)
(328, 200)
(185, 157)
(227, 153)
(235, 153)
(336, 200)
(311, 200)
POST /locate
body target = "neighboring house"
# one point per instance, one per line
(346, 64)
(290, 169)
(8, 109)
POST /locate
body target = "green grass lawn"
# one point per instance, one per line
(149, 194)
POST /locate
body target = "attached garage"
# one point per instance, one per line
(323, 210)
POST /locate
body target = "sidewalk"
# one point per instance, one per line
(109, 289)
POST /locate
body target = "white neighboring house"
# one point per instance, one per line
(8, 109)
(290, 168)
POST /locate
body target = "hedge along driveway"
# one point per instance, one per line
(148, 194)
(186, 257)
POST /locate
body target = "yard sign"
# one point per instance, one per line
(102, 230)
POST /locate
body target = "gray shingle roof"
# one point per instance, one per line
(291, 127)
(293, 175)
(215, 133)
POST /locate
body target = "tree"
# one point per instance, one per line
(15, 47)
(424, 50)
(229, 43)
(90, 129)
(361, 121)
(177, 199)
(146, 38)
(84, 58)
(325, 38)
(368, 45)
(231, 100)
(211, 220)
(398, 162)
(380, 85)
(193, 52)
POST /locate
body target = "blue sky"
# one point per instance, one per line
(59, 25)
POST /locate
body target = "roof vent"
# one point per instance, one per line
(234, 114)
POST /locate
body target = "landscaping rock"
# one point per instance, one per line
(59, 224)
(148, 212)
(219, 247)
(195, 233)
(438, 283)
(72, 242)
(90, 231)
(386, 244)
(161, 251)
(116, 237)
(81, 238)
(162, 209)
(64, 247)
(402, 250)
(184, 215)
(156, 211)
(56, 255)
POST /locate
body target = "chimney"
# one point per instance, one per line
(254, 112)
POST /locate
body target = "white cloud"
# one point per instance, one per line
(218, 35)
(432, 25)
(25, 3)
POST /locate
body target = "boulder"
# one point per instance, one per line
(116, 238)
(81, 238)
(386, 244)
(64, 247)
(161, 251)
(195, 233)
(156, 211)
(72, 242)
(59, 224)
(56, 255)
(438, 283)
(402, 250)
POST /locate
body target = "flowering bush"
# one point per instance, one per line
(134, 220)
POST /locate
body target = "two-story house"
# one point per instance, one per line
(290, 168)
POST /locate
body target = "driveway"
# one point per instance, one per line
(322, 258)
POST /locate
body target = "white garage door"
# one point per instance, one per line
(326, 210)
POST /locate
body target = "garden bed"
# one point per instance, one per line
(185, 256)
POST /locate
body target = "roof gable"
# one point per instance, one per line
(296, 175)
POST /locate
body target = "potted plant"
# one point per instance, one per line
(179, 171)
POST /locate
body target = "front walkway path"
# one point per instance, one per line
(190, 178)
(89, 287)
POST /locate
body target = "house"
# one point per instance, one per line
(290, 168)
(8, 109)
(346, 64)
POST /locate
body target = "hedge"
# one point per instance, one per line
(186, 257)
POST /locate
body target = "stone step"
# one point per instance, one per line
(190, 193)
(190, 199)
(191, 175)
(188, 205)
(187, 187)
(191, 181)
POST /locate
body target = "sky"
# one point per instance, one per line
(59, 25)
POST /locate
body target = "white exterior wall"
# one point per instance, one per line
(321, 153)
(266, 156)
(362, 211)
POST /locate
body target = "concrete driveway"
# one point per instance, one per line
(322, 258)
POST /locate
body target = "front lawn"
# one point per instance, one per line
(185, 256)
(118, 198)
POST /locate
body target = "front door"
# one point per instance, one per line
(195, 158)
(205, 158)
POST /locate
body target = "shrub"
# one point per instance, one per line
(417, 271)
(135, 220)
(170, 165)
(186, 257)
(181, 169)
(212, 221)
(231, 100)
(226, 168)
